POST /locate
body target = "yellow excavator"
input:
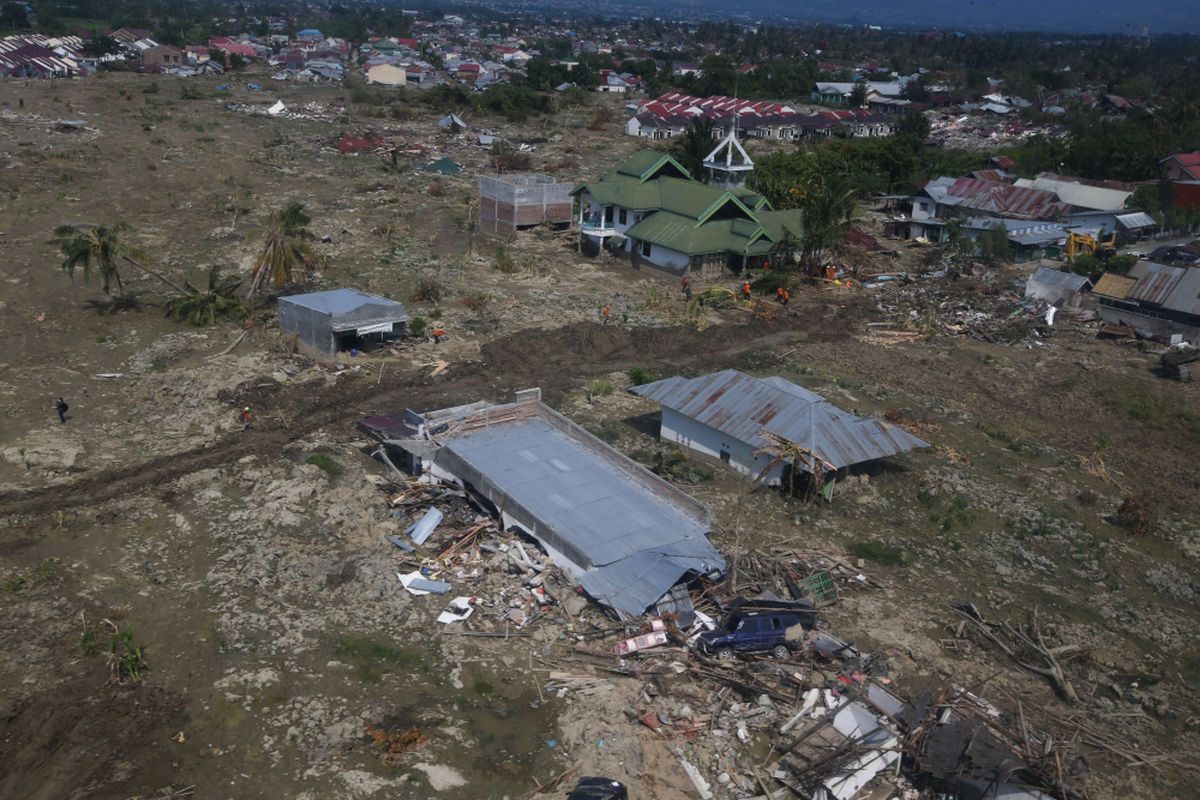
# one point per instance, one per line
(1085, 243)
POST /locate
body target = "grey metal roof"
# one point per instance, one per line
(1059, 279)
(629, 535)
(340, 301)
(1185, 296)
(1079, 194)
(1136, 220)
(744, 407)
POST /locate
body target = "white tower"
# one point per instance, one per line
(729, 164)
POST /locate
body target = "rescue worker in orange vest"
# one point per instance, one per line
(767, 265)
(779, 294)
(746, 290)
(438, 335)
(786, 296)
(605, 313)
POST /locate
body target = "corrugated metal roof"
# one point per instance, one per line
(744, 407)
(629, 535)
(1155, 282)
(1058, 279)
(1078, 194)
(1136, 220)
(340, 301)
(1186, 295)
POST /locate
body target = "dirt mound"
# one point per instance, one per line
(83, 739)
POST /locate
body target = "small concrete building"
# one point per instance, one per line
(163, 56)
(509, 202)
(732, 417)
(1063, 289)
(325, 323)
(388, 75)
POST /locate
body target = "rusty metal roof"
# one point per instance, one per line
(1113, 286)
(1005, 198)
(1155, 282)
(1186, 295)
(744, 408)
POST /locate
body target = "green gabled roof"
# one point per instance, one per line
(623, 191)
(775, 221)
(752, 200)
(645, 165)
(680, 233)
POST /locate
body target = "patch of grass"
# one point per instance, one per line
(126, 659)
(639, 376)
(600, 387)
(879, 552)
(373, 658)
(503, 261)
(482, 686)
(1148, 406)
(325, 463)
(40, 573)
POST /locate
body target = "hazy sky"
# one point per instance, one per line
(1160, 16)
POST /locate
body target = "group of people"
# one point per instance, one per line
(782, 295)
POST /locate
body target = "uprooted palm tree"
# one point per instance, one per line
(286, 248)
(98, 249)
(219, 301)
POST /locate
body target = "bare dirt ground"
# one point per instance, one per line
(261, 588)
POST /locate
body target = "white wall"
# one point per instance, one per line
(665, 258)
(707, 441)
(633, 127)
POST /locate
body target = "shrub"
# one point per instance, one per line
(416, 326)
(325, 463)
(768, 281)
(428, 290)
(503, 262)
(639, 376)
(600, 387)
(879, 552)
(600, 117)
(477, 302)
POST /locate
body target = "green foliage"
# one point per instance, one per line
(1121, 264)
(670, 462)
(514, 103)
(1088, 265)
(285, 248)
(503, 261)
(126, 660)
(639, 376)
(879, 552)
(1148, 406)
(769, 281)
(189, 92)
(416, 327)
(325, 463)
(994, 246)
(40, 573)
(600, 387)
(427, 290)
(218, 302)
(94, 248)
(151, 88)
(691, 148)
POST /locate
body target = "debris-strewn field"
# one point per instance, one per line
(184, 603)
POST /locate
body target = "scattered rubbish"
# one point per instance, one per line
(277, 109)
(403, 545)
(459, 609)
(109, 375)
(418, 585)
(420, 531)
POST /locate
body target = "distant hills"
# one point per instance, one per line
(1060, 16)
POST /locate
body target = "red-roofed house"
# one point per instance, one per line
(1181, 167)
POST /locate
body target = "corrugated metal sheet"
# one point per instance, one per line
(1155, 283)
(1058, 279)
(744, 407)
(630, 535)
(1080, 195)
(339, 301)
(1186, 295)
(1136, 221)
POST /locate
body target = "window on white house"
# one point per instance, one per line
(646, 249)
(621, 216)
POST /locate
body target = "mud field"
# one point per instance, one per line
(261, 590)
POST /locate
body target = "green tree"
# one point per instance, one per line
(994, 246)
(219, 301)
(858, 95)
(694, 145)
(913, 128)
(286, 248)
(98, 249)
(13, 17)
(827, 210)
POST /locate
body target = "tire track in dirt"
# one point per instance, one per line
(556, 360)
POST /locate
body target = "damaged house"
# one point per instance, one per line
(767, 428)
(624, 534)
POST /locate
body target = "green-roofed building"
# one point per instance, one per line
(652, 210)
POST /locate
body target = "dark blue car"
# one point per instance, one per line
(778, 632)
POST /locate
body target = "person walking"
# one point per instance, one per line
(605, 313)
(683, 285)
(61, 407)
(246, 418)
(779, 294)
(746, 290)
(438, 335)
(786, 296)
(687, 292)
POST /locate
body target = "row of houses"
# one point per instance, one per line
(673, 113)
(1157, 300)
(35, 56)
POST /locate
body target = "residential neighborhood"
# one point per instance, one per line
(501, 400)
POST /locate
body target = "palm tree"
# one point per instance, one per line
(827, 210)
(285, 249)
(98, 248)
(694, 145)
(220, 301)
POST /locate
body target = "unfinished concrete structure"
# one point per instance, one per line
(623, 533)
(509, 202)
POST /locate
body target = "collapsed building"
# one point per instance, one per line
(625, 535)
(768, 427)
